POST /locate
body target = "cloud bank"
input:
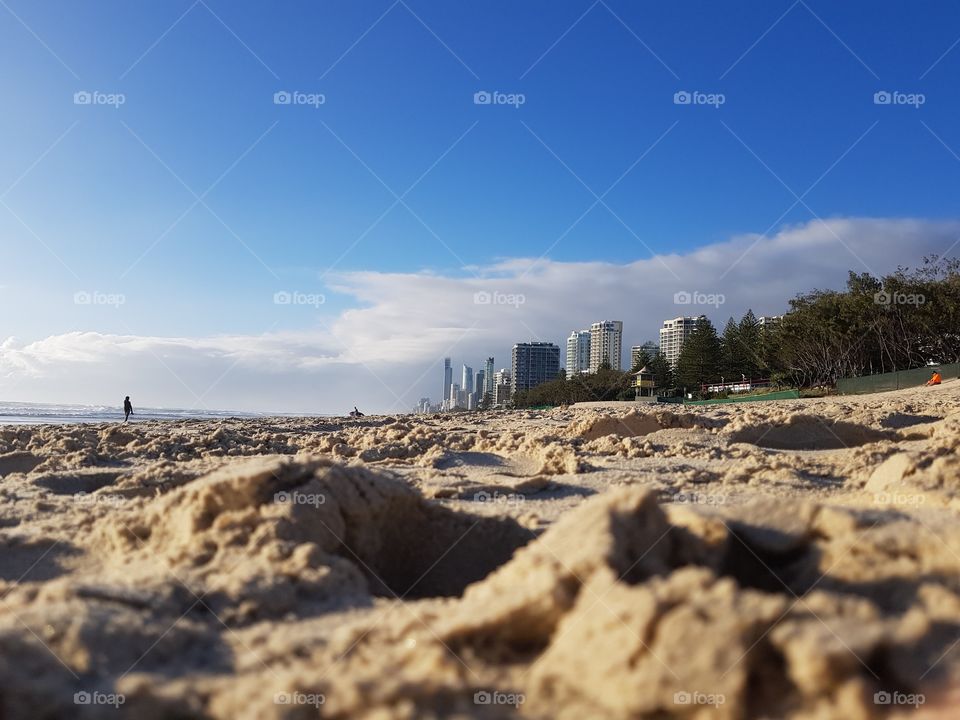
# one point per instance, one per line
(386, 352)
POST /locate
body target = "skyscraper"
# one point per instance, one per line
(649, 347)
(488, 377)
(480, 380)
(672, 335)
(578, 352)
(606, 338)
(501, 387)
(534, 363)
(466, 383)
(447, 379)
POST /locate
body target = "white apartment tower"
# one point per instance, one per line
(578, 352)
(673, 334)
(606, 340)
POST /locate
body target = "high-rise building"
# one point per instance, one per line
(673, 334)
(467, 381)
(447, 379)
(501, 388)
(454, 399)
(534, 363)
(578, 352)
(480, 381)
(488, 377)
(606, 340)
(649, 347)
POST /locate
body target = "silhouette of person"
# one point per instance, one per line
(127, 408)
(356, 413)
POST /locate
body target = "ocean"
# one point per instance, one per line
(36, 413)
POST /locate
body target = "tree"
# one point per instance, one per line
(749, 337)
(700, 357)
(661, 371)
(731, 363)
(604, 365)
(642, 361)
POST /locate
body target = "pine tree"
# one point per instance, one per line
(750, 336)
(731, 361)
(661, 371)
(700, 357)
(643, 359)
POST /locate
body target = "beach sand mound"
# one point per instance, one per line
(805, 432)
(635, 424)
(622, 610)
(261, 538)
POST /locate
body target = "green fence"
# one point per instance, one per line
(779, 395)
(894, 380)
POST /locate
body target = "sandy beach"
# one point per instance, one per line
(783, 559)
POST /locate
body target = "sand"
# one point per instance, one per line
(786, 559)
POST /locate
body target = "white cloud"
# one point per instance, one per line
(386, 353)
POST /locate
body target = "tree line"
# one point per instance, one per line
(903, 320)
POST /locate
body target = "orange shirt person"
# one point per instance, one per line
(935, 379)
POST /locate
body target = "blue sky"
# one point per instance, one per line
(294, 196)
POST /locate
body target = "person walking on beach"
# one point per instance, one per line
(935, 379)
(127, 408)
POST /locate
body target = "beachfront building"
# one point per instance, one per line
(467, 380)
(578, 352)
(534, 363)
(501, 388)
(606, 342)
(447, 380)
(672, 335)
(488, 377)
(480, 381)
(649, 347)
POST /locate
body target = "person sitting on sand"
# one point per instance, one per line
(127, 408)
(935, 379)
(355, 412)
